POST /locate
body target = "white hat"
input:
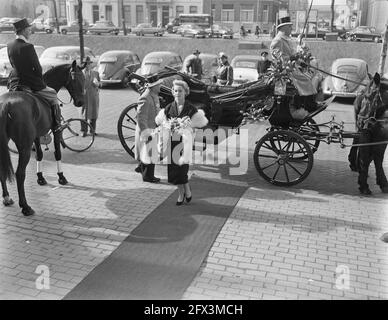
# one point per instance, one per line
(153, 81)
(222, 55)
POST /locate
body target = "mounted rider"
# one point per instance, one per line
(27, 71)
(283, 47)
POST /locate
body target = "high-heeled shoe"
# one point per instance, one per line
(179, 203)
(188, 199)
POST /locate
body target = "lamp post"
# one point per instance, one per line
(56, 15)
(81, 33)
(123, 18)
(212, 18)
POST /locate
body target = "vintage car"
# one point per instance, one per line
(147, 28)
(209, 66)
(7, 25)
(245, 68)
(114, 67)
(348, 68)
(101, 27)
(364, 33)
(40, 25)
(156, 61)
(217, 31)
(74, 27)
(55, 56)
(191, 30)
(5, 65)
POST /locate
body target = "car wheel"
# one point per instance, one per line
(156, 34)
(376, 39)
(49, 31)
(64, 31)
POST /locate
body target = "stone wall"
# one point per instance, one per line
(325, 51)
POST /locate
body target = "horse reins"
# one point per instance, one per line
(335, 76)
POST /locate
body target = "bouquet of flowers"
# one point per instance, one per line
(177, 125)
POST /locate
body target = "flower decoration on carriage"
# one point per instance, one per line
(177, 125)
(258, 111)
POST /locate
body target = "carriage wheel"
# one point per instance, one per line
(283, 158)
(126, 128)
(73, 137)
(308, 132)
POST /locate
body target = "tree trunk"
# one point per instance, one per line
(383, 54)
(332, 15)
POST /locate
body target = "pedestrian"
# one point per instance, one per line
(243, 33)
(263, 64)
(27, 71)
(92, 100)
(257, 31)
(147, 108)
(224, 71)
(194, 65)
(273, 31)
(181, 141)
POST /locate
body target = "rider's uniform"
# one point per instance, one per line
(225, 74)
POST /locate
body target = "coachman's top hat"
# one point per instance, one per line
(21, 24)
(196, 51)
(283, 22)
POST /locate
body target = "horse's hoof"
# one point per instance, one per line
(365, 191)
(27, 211)
(62, 180)
(7, 201)
(41, 181)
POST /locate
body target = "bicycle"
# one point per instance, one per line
(73, 136)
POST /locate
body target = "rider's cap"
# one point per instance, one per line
(88, 60)
(222, 55)
(196, 51)
(21, 24)
(284, 22)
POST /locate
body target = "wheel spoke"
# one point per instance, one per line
(267, 156)
(276, 173)
(126, 127)
(270, 165)
(285, 171)
(296, 170)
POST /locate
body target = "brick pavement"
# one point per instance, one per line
(279, 243)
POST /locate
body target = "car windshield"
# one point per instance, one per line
(55, 54)
(251, 64)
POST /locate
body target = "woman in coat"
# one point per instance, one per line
(181, 142)
(92, 99)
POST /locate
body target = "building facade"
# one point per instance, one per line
(157, 12)
(378, 14)
(33, 9)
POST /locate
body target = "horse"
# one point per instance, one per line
(371, 111)
(24, 118)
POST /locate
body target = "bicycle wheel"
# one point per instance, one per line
(72, 135)
(126, 128)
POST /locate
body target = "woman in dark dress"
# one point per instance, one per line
(181, 143)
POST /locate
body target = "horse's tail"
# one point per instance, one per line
(6, 169)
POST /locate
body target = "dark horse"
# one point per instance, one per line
(371, 110)
(24, 118)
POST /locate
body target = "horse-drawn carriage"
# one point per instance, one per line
(284, 155)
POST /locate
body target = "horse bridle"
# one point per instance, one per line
(71, 78)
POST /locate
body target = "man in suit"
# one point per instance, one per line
(147, 109)
(194, 65)
(27, 71)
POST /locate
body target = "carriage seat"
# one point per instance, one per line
(215, 89)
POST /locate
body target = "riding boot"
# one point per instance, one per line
(56, 114)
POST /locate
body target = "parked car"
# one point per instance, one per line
(320, 35)
(156, 61)
(349, 68)
(245, 68)
(191, 30)
(147, 28)
(7, 25)
(115, 67)
(5, 65)
(39, 25)
(364, 33)
(55, 56)
(101, 27)
(74, 27)
(217, 31)
(209, 66)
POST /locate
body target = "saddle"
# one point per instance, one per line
(41, 102)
